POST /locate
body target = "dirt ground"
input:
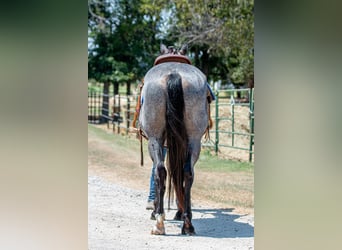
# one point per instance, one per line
(117, 218)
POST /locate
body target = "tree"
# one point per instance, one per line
(124, 40)
(125, 36)
(220, 35)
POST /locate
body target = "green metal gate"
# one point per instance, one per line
(226, 119)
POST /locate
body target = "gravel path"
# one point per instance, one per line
(117, 219)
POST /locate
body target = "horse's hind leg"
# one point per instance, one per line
(155, 150)
(160, 178)
(179, 214)
(187, 216)
(194, 150)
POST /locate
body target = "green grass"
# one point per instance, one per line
(206, 162)
(110, 137)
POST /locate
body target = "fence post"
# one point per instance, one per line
(128, 114)
(109, 112)
(114, 112)
(105, 102)
(98, 106)
(216, 122)
(232, 105)
(251, 123)
(91, 107)
(119, 114)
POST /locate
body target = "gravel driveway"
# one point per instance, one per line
(117, 219)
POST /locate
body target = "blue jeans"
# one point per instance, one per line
(152, 193)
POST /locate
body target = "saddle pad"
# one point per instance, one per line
(172, 58)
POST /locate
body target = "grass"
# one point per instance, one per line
(207, 161)
(128, 145)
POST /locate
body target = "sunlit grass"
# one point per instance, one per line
(208, 161)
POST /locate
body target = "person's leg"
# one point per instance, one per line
(152, 193)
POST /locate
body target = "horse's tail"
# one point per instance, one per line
(176, 135)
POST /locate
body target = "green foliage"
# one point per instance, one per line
(221, 34)
(122, 41)
(125, 36)
(93, 87)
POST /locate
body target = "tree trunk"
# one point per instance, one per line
(197, 60)
(116, 88)
(205, 62)
(128, 91)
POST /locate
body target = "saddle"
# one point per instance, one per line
(172, 58)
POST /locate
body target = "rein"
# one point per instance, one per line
(140, 133)
(141, 149)
(138, 105)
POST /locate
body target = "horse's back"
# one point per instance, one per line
(194, 82)
(188, 73)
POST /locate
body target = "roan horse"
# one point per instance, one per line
(174, 113)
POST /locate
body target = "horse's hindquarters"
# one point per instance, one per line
(152, 113)
(196, 113)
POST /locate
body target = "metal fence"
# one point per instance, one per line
(233, 116)
(232, 135)
(117, 111)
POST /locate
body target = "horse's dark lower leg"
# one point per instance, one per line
(160, 183)
(193, 154)
(178, 215)
(159, 214)
(187, 216)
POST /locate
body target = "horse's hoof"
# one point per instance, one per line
(190, 230)
(159, 228)
(158, 231)
(178, 216)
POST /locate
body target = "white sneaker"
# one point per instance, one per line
(150, 205)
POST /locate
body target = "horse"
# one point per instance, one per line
(174, 112)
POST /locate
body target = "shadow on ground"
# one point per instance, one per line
(221, 223)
